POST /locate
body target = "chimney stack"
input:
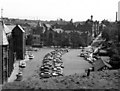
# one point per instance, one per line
(91, 17)
(1, 13)
(116, 16)
(118, 11)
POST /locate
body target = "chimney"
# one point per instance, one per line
(91, 17)
(116, 16)
(1, 13)
(119, 11)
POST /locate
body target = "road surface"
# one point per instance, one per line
(74, 64)
(34, 64)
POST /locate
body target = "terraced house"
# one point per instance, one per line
(42, 34)
(3, 54)
(37, 35)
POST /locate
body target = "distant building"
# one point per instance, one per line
(118, 31)
(37, 35)
(44, 34)
(49, 35)
(119, 11)
(87, 29)
(58, 30)
(95, 29)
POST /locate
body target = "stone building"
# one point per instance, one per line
(4, 45)
(12, 46)
(18, 38)
(37, 35)
(42, 34)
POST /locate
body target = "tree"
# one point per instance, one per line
(29, 39)
(57, 39)
(105, 34)
(76, 39)
(64, 39)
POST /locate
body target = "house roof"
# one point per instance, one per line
(11, 27)
(69, 26)
(3, 37)
(5, 41)
(98, 40)
(8, 28)
(99, 64)
(19, 28)
(38, 30)
(58, 30)
(48, 25)
(68, 31)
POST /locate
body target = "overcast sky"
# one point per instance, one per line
(78, 10)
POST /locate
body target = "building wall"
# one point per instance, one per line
(1, 37)
(1, 64)
(10, 56)
(18, 42)
(36, 40)
(5, 63)
(3, 55)
(118, 31)
(49, 37)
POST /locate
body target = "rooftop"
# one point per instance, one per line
(3, 37)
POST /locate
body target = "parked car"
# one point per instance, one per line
(59, 71)
(54, 73)
(45, 74)
(22, 64)
(62, 66)
(45, 69)
(80, 47)
(82, 55)
(58, 64)
(31, 56)
(48, 63)
(35, 49)
(19, 76)
(49, 57)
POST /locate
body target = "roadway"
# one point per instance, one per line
(72, 63)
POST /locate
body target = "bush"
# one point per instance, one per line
(115, 61)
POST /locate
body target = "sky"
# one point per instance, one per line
(78, 10)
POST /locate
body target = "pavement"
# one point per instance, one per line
(0, 87)
(15, 71)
